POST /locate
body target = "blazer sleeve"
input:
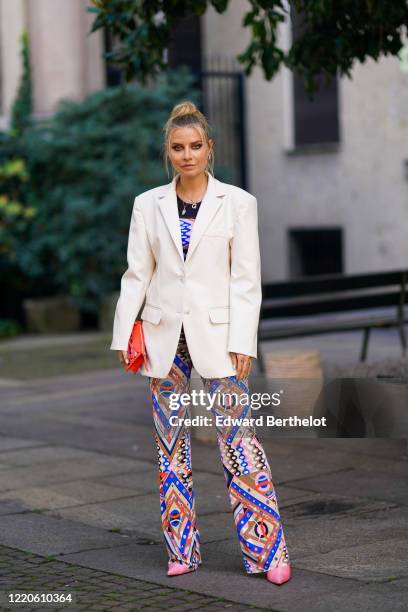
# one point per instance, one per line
(245, 281)
(135, 280)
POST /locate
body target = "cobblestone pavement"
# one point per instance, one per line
(22, 571)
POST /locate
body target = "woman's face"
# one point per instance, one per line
(188, 152)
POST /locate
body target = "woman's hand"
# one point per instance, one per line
(242, 363)
(123, 357)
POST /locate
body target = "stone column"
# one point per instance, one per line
(12, 24)
(95, 75)
(61, 54)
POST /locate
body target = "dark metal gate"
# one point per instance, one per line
(221, 81)
(223, 102)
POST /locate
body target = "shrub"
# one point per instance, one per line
(9, 328)
(86, 165)
(16, 216)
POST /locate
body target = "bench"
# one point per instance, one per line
(287, 304)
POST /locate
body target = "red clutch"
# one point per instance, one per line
(136, 352)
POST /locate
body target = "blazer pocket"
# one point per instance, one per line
(152, 314)
(215, 234)
(219, 314)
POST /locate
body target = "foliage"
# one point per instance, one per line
(22, 106)
(14, 214)
(9, 328)
(86, 164)
(335, 34)
(16, 220)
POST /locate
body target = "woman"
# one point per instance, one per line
(193, 257)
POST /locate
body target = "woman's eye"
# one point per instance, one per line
(177, 148)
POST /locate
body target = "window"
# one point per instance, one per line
(185, 43)
(113, 73)
(315, 121)
(315, 251)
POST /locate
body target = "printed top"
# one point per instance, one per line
(186, 221)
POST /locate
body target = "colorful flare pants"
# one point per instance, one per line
(246, 468)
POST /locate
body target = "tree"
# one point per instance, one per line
(333, 34)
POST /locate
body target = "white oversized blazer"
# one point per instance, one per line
(215, 293)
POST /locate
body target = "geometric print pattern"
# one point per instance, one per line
(246, 469)
(175, 479)
(186, 221)
(186, 226)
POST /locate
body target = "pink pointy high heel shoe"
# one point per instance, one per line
(279, 574)
(176, 568)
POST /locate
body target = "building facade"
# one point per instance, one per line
(65, 61)
(331, 177)
(345, 200)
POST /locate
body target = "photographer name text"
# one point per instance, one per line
(269, 420)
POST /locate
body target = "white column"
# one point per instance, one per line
(12, 24)
(95, 75)
(56, 46)
(65, 62)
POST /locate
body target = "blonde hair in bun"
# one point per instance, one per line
(184, 114)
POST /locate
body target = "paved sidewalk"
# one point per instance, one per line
(26, 573)
(79, 500)
(31, 356)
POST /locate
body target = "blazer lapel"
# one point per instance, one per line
(169, 209)
(211, 202)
